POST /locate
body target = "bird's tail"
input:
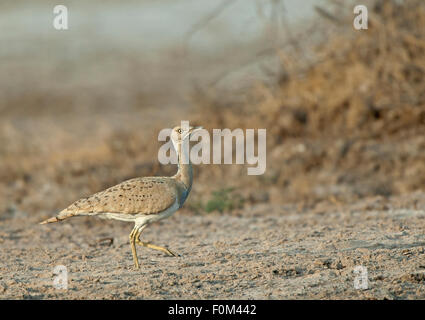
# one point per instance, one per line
(61, 216)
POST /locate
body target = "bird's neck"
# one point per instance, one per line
(184, 173)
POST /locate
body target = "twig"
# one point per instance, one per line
(327, 15)
(258, 56)
(204, 21)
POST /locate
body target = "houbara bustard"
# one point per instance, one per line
(141, 200)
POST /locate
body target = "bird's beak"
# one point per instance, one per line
(192, 130)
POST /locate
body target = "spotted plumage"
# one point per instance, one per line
(140, 200)
(136, 196)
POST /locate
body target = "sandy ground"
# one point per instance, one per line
(345, 179)
(262, 252)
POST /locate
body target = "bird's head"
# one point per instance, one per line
(180, 134)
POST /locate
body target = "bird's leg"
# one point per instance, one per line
(133, 247)
(155, 247)
(152, 246)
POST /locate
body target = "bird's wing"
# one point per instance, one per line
(135, 196)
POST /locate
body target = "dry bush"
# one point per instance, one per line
(351, 124)
(348, 122)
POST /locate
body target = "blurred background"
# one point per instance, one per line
(80, 110)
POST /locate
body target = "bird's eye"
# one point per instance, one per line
(179, 131)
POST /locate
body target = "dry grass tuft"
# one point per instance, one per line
(352, 123)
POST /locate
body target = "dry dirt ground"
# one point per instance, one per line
(262, 252)
(344, 186)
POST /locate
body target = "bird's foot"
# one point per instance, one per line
(159, 248)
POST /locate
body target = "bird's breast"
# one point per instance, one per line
(182, 198)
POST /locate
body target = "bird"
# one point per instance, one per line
(141, 200)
